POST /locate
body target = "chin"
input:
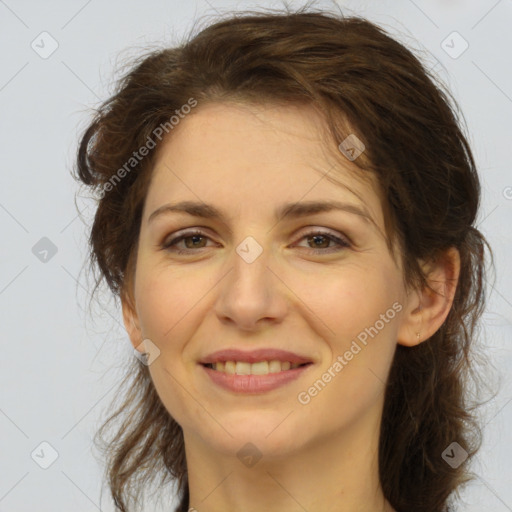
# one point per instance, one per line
(266, 430)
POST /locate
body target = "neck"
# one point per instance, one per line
(337, 474)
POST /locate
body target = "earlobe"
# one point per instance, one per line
(430, 306)
(131, 321)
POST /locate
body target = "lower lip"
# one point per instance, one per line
(254, 383)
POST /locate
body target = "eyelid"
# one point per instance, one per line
(341, 240)
(314, 230)
(177, 236)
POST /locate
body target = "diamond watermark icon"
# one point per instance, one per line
(44, 45)
(146, 352)
(454, 455)
(352, 147)
(249, 249)
(44, 250)
(44, 455)
(249, 455)
(454, 45)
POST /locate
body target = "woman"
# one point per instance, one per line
(286, 211)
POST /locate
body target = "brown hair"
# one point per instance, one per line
(351, 70)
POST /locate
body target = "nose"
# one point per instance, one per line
(252, 294)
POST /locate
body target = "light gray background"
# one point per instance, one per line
(59, 366)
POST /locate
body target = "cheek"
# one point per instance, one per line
(353, 381)
(164, 300)
(354, 300)
(363, 311)
(168, 305)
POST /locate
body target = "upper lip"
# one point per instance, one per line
(254, 356)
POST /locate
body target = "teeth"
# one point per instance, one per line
(274, 366)
(243, 368)
(259, 368)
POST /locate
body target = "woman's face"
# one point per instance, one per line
(234, 280)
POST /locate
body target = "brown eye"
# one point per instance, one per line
(194, 239)
(318, 242)
(191, 240)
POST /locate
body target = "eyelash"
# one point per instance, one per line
(343, 243)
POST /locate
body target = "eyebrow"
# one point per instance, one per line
(303, 209)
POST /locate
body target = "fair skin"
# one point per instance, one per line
(319, 455)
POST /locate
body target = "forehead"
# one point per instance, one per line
(243, 156)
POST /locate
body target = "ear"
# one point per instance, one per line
(427, 309)
(131, 321)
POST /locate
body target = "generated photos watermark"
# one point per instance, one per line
(361, 341)
(144, 150)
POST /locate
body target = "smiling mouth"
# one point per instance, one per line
(258, 368)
